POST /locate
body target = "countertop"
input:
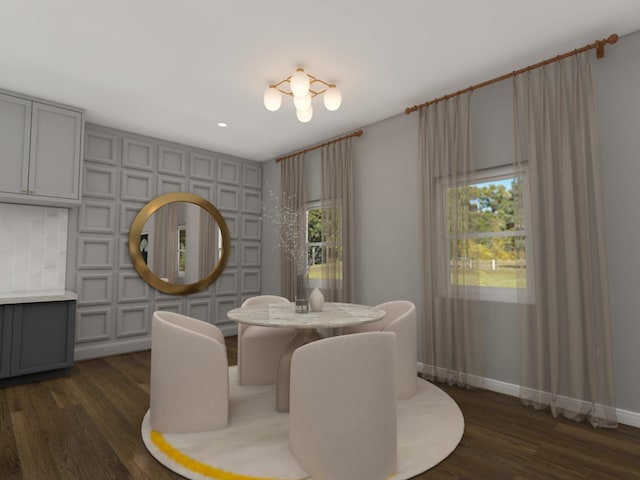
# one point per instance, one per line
(7, 298)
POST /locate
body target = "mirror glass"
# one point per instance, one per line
(179, 243)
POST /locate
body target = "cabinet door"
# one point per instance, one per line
(6, 312)
(42, 337)
(55, 152)
(15, 125)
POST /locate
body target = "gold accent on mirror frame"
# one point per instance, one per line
(136, 255)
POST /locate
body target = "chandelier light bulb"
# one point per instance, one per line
(332, 98)
(302, 103)
(272, 99)
(299, 83)
(305, 115)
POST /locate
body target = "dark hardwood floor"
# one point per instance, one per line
(87, 426)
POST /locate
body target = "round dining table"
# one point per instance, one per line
(333, 317)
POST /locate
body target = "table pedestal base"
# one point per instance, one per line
(284, 368)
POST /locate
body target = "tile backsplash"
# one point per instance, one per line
(33, 248)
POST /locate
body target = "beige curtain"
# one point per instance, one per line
(165, 243)
(566, 339)
(451, 335)
(337, 222)
(292, 223)
(208, 243)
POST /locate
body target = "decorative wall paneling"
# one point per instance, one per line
(122, 171)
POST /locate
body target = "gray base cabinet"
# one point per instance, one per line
(36, 337)
(5, 344)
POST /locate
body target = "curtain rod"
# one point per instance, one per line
(598, 45)
(357, 133)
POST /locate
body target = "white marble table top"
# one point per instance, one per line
(333, 315)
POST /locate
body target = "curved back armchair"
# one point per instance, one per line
(260, 348)
(189, 375)
(401, 320)
(343, 413)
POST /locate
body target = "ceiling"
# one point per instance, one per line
(173, 69)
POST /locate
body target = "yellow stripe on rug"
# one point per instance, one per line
(194, 465)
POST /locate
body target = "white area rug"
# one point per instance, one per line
(255, 445)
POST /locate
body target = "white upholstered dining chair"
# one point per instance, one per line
(400, 319)
(260, 348)
(189, 375)
(343, 413)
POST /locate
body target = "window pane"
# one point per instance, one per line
(486, 207)
(314, 225)
(315, 254)
(319, 266)
(489, 262)
(182, 244)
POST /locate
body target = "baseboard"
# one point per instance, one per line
(625, 417)
(628, 417)
(89, 351)
(229, 329)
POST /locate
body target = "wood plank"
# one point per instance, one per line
(10, 467)
(36, 459)
(79, 448)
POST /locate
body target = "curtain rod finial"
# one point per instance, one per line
(613, 38)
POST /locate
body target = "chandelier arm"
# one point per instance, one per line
(276, 85)
(326, 84)
(284, 92)
(315, 94)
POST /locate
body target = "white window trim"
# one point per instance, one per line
(492, 294)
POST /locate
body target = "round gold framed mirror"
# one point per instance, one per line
(179, 243)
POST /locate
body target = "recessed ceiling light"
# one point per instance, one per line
(222, 124)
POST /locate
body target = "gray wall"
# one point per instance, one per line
(387, 206)
(617, 79)
(123, 171)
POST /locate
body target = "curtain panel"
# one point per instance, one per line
(292, 223)
(337, 222)
(566, 333)
(452, 335)
(165, 243)
(207, 243)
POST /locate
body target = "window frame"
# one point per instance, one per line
(487, 293)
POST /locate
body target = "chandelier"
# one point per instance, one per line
(303, 88)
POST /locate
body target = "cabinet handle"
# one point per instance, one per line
(24, 190)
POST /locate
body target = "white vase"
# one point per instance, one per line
(316, 300)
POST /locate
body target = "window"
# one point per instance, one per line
(182, 249)
(324, 255)
(315, 246)
(488, 235)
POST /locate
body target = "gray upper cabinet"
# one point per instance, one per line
(15, 127)
(40, 151)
